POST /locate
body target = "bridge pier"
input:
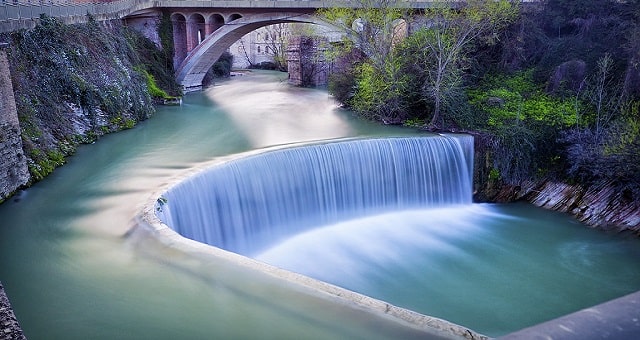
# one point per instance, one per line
(179, 24)
(195, 31)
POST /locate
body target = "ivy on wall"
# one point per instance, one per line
(74, 83)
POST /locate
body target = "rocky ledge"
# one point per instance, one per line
(9, 327)
(602, 207)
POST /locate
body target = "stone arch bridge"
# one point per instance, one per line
(203, 29)
(201, 37)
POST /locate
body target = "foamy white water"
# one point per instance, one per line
(349, 253)
(247, 204)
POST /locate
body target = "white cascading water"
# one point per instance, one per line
(250, 204)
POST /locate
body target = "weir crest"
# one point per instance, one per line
(236, 208)
(248, 204)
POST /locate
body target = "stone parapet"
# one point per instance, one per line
(615, 319)
(19, 14)
(22, 14)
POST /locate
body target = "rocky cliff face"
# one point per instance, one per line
(9, 326)
(600, 206)
(70, 84)
(13, 163)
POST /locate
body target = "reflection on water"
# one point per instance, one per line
(71, 273)
(274, 113)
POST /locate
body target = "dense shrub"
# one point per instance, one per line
(611, 157)
(513, 98)
(220, 69)
(523, 123)
(264, 65)
(341, 86)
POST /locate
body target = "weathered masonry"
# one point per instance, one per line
(13, 170)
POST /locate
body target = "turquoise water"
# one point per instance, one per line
(71, 272)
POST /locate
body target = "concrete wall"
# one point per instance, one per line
(13, 164)
(615, 319)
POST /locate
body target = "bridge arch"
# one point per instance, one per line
(195, 30)
(234, 16)
(194, 67)
(214, 22)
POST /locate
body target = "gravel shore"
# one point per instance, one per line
(9, 327)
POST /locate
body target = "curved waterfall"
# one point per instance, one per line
(251, 203)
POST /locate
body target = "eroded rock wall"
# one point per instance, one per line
(602, 206)
(13, 163)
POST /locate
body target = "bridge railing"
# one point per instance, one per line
(31, 9)
(15, 14)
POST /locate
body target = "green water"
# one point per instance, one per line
(71, 272)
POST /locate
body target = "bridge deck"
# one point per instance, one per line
(16, 14)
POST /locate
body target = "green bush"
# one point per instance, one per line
(384, 94)
(524, 124)
(152, 86)
(220, 69)
(509, 99)
(342, 86)
(42, 164)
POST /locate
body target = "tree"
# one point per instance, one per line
(371, 28)
(245, 52)
(446, 33)
(435, 54)
(606, 102)
(606, 150)
(276, 39)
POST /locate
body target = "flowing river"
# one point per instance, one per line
(72, 271)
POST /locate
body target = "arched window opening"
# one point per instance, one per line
(215, 22)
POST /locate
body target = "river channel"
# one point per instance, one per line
(72, 272)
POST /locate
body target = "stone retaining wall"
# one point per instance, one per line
(13, 163)
(602, 207)
(9, 327)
